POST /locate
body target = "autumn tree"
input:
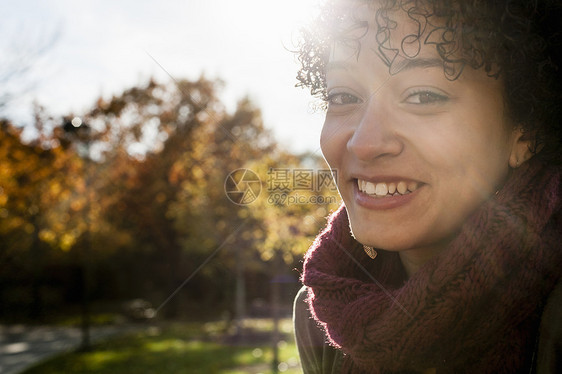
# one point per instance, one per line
(175, 199)
(39, 203)
(145, 189)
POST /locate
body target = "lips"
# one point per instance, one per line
(386, 189)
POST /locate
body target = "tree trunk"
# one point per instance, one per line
(85, 280)
(36, 307)
(240, 293)
(275, 336)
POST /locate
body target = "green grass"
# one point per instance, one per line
(98, 319)
(182, 348)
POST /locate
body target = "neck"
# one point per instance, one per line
(413, 259)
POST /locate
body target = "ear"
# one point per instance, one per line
(521, 146)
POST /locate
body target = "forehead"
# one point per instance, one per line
(399, 35)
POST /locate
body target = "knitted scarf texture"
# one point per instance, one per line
(474, 308)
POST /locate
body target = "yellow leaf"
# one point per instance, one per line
(67, 241)
(47, 236)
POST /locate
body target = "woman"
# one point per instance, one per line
(443, 123)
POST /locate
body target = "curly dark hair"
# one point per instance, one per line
(519, 41)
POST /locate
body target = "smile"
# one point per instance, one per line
(384, 189)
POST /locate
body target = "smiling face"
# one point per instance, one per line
(416, 153)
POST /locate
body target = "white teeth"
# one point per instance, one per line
(386, 189)
(402, 187)
(381, 189)
(370, 188)
(412, 186)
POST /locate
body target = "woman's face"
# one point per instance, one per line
(415, 152)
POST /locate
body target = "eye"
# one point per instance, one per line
(425, 97)
(342, 98)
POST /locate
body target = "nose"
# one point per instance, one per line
(374, 136)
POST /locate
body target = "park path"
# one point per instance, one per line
(22, 346)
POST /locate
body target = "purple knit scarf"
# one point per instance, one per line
(474, 308)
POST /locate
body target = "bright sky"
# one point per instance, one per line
(105, 46)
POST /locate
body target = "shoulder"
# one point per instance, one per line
(308, 334)
(300, 299)
(549, 356)
(317, 357)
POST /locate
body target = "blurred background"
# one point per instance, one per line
(160, 181)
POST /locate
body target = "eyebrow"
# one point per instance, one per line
(335, 65)
(418, 63)
(406, 64)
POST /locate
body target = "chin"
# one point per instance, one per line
(385, 241)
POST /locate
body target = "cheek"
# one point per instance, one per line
(332, 142)
(473, 162)
(442, 147)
